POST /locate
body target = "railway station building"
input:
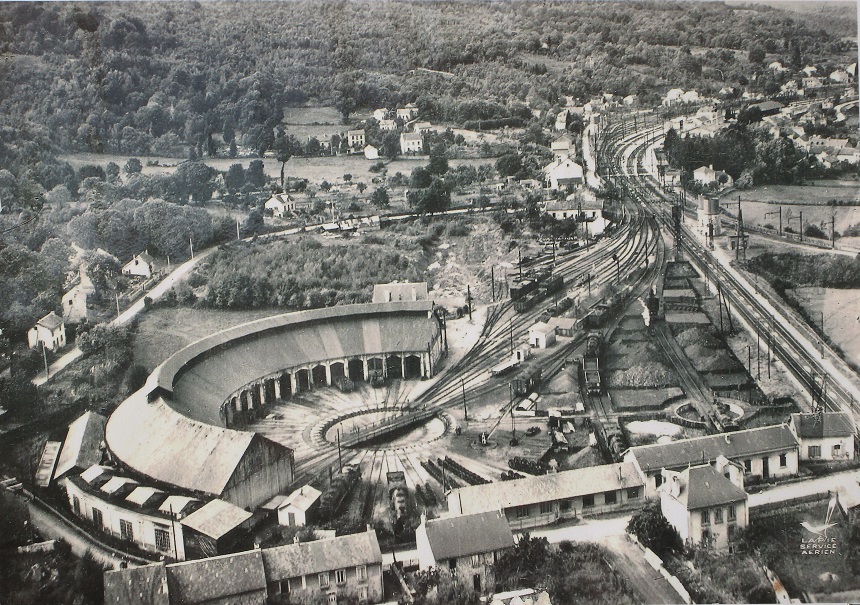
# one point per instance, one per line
(766, 452)
(545, 499)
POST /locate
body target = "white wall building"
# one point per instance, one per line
(50, 331)
(824, 436)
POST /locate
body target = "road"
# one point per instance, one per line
(644, 579)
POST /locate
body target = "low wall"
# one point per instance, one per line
(657, 563)
(779, 508)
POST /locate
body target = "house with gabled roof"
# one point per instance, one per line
(214, 528)
(280, 204)
(142, 265)
(49, 331)
(237, 578)
(563, 146)
(144, 585)
(83, 446)
(706, 504)
(824, 436)
(468, 546)
(411, 142)
(299, 507)
(766, 452)
(563, 173)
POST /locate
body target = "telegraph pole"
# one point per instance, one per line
(469, 300)
(493, 282)
(465, 409)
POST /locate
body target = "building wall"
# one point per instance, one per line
(53, 339)
(719, 532)
(825, 445)
(466, 568)
(265, 470)
(676, 515)
(549, 512)
(143, 525)
(307, 589)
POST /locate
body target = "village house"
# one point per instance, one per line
(706, 504)
(387, 125)
(561, 120)
(544, 499)
(422, 127)
(767, 452)
(563, 147)
(840, 76)
(380, 114)
(815, 144)
(280, 204)
(75, 301)
(811, 83)
(468, 546)
(337, 568)
(356, 139)
(707, 175)
(824, 436)
(673, 96)
(563, 173)
(407, 113)
(50, 332)
(371, 153)
(411, 142)
(142, 265)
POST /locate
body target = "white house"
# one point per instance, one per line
(707, 175)
(355, 138)
(541, 335)
(706, 504)
(422, 127)
(841, 76)
(371, 152)
(811, 82)
(408, 112)
(411, 142)
(824, 436)
(561, 120)
(810, 70)
(691, 96)
(673, 96)
(387, 125)
(563, 173)
(142, 265)
(380, 114)
(299, 506)
(777, 67)
(467, 546)
(280, 204)
(50, 331)
(75, 300)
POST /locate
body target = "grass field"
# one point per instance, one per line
(809, 199)
(840, 310)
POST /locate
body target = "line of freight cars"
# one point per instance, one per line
(530, 291)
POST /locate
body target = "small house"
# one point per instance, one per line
(387, 125)
(214, 528)
(407, 113)
(707, 175)
(564, 326)
(411, 142)
(824, 436)
(563, 146)
(541, 335)
(468, 546)
(422, 127)
(371, 152)
(563, 173)
(280, 204)
(50, 332)
(142, 265)
(356, 138)
(380, 114)
(299, 507)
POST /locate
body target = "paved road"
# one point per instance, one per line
(807, 487)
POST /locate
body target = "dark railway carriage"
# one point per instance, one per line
(520, 289)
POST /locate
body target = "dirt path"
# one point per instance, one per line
(645, 580)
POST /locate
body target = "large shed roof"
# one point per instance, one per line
(545, 488)
(216, 518)
(81, 447)
(739, 444)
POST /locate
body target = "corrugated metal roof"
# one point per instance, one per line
(216, 518)
(158, 442)
(47, 463)
(827, 424)
(295, 560)
(81, 447)
(734, 446)
(545, 488)
(468, 535)
(225, 578)
(145, 585)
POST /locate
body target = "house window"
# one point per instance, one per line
(588, 500)
(340, 576)
(323, 579)
(747, 466)
(718, 515)
(706, 519)
(545, 508)
(162, 539)
(522, 512)
(361, 572)
(332, 598)
(125, 530)
(476, 560)
(362, 594)
(273, 588)
(565, 506)
(98, 521)
(733, 512)
(76, 505)
(632, 493)
(610, 497)
(658, 480)
(814, 451)
(783, 460)
(285, 586)
(452, 564)
(837, 450)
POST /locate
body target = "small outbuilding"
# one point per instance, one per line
(214, 528)
(142, 265)
(299, 508)
(541, 335)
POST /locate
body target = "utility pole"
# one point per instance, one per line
(469, 300)
(116, 295)
(339, 459)
(191, 244)
(45, 359)
(493, 282)
(237, 229)
(512, 337)
(465, 409)
(520, 261)
(758, 350)
(779, 212)
(833, 231)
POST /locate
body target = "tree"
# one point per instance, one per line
(756, 53)
(133, 166)
(112, 171)
(195, 180)
(438, 161)
(525, 564)
(509, 164)
(284, 147)
(89, 579)
(380, 198)
(255, 176)
(234, 151)
(435, 198)
(254, 224)
(234, 179)
(17, 392)
(361, 187)
(653, 530)
(420, 178)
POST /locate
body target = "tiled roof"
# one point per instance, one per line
(216, 518)
(545, 488)
(736, 445)
(704, 487)
(468, 535)
(218, 579)
(828, 424)
(50, 321)
(146, 585)
(295, 560)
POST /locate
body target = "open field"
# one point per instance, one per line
(840, 310)
(809, 199)
(316, 170)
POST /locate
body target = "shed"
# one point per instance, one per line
(214, 528)
(299, 507)
(541, 335)
(564, 326)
